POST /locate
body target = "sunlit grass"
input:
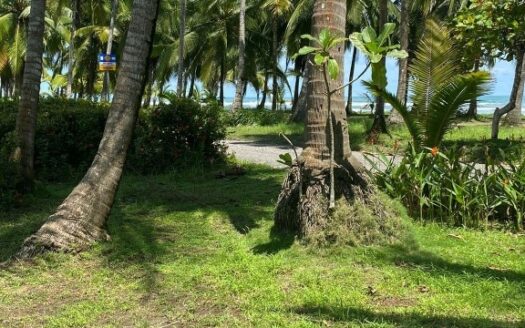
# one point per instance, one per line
(190, 250)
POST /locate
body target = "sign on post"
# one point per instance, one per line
(107, 63)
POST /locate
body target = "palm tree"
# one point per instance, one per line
(439, 88)
(278, 9)
(13, 25)
(80, 219)
(109, 49)
(239, 89)
(28, 106)
(302, 205)
(182, 33)
(402, 82)
(71, 49)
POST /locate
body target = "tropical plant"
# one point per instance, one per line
(439, 88)
(445, 187)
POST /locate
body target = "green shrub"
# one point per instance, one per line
(181, 132)
(442, 187)
(260, 117)
(68, 134)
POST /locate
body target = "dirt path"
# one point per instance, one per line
(263, 153)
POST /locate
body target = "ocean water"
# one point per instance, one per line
(486, 105)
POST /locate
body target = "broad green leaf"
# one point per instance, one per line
(333, 68)
(369, 34)
(388, 29)
(286, 159)
(319, 59)
(309, 37)
(324, 38)
(397, 54)
(357, 40)
(307, 50)
(375, 58)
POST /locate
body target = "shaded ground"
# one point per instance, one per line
(190, 250)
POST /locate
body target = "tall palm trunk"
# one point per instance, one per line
(71, 50)
(473, 106)
(301, 109)
(109, 48)
(182, 34)
(516, 94)
(349, 102)
(404, 34)
(302, 205)
(222, 77)
(297, 70)
(275, 52)
(265, 91)
(379, 124)
(239, 89)
(30, 93)
(80, 219)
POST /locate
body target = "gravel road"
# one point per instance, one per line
(264, 153)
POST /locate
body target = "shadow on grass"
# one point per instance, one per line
(19, 223)
(412, 258)
(278, 241)
(403, 320)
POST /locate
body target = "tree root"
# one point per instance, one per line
(306, 212)
(61, 234)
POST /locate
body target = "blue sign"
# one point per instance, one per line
(107, 62)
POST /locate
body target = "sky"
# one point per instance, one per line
(502, 75)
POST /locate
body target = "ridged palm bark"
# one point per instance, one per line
(379, 124)
(303, 205)
(402, 82)
(239, 89)
(29, 95)
(80, 219)
(182, 33)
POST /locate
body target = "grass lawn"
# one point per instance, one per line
(190, 250)
(473, 135)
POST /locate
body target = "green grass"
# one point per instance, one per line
(475, 136)
(190, 250)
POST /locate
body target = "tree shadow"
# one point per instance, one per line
(401, 320)
(412, 257)
(279, 241)
(19, 223)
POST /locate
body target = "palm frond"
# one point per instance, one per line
(448, 99)
(413, 125)
(435, 63)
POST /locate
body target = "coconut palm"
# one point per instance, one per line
(29, 95)
(278, 10)
(80, 219)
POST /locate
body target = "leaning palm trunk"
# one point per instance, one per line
(27, 109)
(303, 204)
(515, 95)
(239, 90)
(80, 219)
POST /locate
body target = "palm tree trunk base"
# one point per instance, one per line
(303, 204)
(62, 234)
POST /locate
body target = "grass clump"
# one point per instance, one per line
(378, 220)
